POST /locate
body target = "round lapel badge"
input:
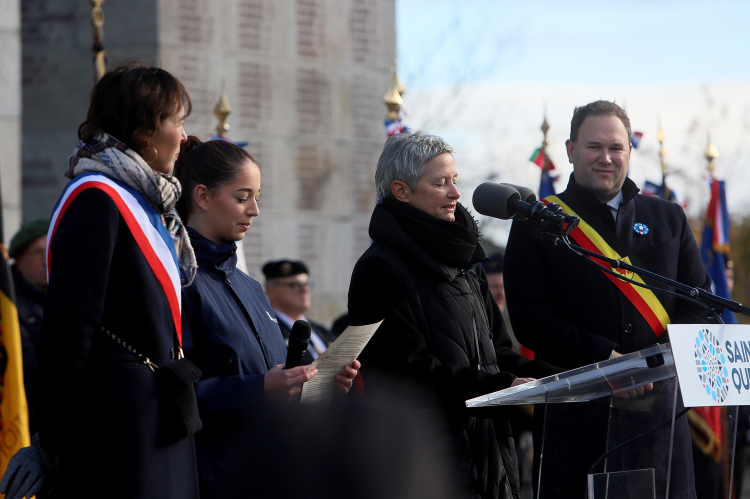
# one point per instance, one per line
(640, 228)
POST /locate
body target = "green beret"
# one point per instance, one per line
(27, 234)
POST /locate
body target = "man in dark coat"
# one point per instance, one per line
(443, 339)
(28, 249)
(288, 290)
(572, 314)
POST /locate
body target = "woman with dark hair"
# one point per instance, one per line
(231, 331)
(117, 256)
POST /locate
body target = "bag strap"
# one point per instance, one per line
(132, 350)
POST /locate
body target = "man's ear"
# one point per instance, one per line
(569, 146)
(201, 194)
(400, 191)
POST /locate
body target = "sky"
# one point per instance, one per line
(483, 73)
(603, 42)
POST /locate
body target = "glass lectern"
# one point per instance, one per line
(594, 439)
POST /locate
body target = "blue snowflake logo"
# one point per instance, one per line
(709, 362)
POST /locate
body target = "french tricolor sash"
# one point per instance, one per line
(593, 235)
(145, 225)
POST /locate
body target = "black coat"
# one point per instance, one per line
(99, 407)
(231, 334)
(30, 305)
(324, 334)
(444, 333)
(570, 314)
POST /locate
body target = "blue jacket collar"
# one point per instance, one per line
(221, 256)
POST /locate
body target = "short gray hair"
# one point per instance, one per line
(403, 158)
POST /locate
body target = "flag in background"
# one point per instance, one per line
(393, 127)
(219, 137)
(635, 139)
(547, 186)
(14, 413)
(542, 160)
(656, 190)
(547, 182)
(715, 244)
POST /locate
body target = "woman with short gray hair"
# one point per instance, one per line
(443, 333)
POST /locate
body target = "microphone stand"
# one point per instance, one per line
(713, 303)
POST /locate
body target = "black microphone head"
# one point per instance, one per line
(494, 200)
(527, 195)
(299, 338)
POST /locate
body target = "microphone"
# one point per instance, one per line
(504, 201)
(527, 195)
(299, 338)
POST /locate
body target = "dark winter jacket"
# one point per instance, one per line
(442, 331)
(100, 408)
(232, 335)
(30, 305)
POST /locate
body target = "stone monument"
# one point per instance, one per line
(305, 79)
(10, 117)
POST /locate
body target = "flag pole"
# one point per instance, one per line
(545, 141)
(99, 54)
(222, 110)
(665, 192)
(711, 154)
(392, 100)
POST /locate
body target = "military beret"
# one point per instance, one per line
(284, 268)
(494, 265)
(27, 234)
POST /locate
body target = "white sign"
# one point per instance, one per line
(713, 363)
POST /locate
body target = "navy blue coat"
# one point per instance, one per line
(99, 407)
(232, 335)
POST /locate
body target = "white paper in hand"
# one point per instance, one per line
(342, 352)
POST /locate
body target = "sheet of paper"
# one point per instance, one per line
(342, 352)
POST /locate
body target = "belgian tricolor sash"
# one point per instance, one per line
(592, 234)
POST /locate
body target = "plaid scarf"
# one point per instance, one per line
(114, 159)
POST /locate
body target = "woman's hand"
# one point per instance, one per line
(286, 384)
(521, 381)
(345, 379)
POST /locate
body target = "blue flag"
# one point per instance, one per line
(715, 245)
(547, 186)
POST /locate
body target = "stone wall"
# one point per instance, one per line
(10, 117)
(305, 79)
(57, 79)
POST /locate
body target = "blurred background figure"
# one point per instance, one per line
(494, 270)
(28, 249)
(288, 289)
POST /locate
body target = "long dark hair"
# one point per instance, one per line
(213, 163)
(131, 102)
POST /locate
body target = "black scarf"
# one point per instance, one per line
(454, 243)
